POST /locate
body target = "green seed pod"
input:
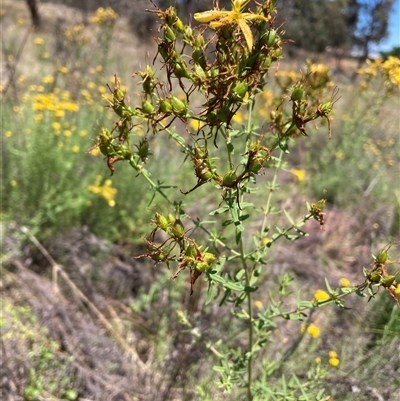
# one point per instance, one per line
(178, 106)
(177, 230)
(229, 179)
(388, 280)
(266, 63)
(199, 58)
(191, 251)
(269, 38)
(326, 108)
(143, 149)
(240, 90)
(119, 95)
(223, 114)
(181, 71)
(171, 16)
(199, 41)
(206, 175)
(147, 107)
(209, 257)
(163, 48)
(160, 256)
(374, 277)
(162, 221)
(165, 106)
(382, 257)
(202, 267)
(188, 35)
(200, 152)
(297, 93)
(169, 34)
(211, 117)
(199, 73)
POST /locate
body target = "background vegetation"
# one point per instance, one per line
(111, 327)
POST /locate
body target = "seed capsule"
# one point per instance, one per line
(229, 178)
(147, 107)
(165, 106)
(178, 106)
(382, 257)
(240, 90)
(297, 93)
(162, 221)
(388, 280)
(374, 277)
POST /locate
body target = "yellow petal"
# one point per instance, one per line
(210, 15)
(246, 32)
(250, 16)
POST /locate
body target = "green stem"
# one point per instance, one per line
(268, 205)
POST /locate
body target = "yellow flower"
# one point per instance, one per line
(48, 79)
(318, 360)
(38, 41)
(333, 359)
(218, 18)
(313, 331)
(75, 149)
(321, 295)
(8, 134)
(265, 241)
(105, 190)
(397, 290)
(300, 174)
(195, 124)
(63, 70)
(344, 282)
(67, 133)
(258, 304)
(83, 132)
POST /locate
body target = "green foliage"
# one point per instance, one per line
(229, 161)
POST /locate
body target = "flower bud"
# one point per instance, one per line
(269, 38)
(179, 26)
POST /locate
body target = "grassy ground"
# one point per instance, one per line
(87, 321)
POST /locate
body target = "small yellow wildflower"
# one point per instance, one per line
(38, 118)
(60, 145)
(63, 70)
(83, 133)
(105, 190)
(265, 241)
(13, 183)
(300, 174)
(313, 331)
(59, 113)
(195, 124)
(217, 18)
(45, 55)
(318, 360)
(397, 290)
(38, 41)
(258, 304)
(95, 151)
(99, 68)
(48, 79)
(28, 131)
(75, 148)
(20, 79)
(8, 134)
(17, 109)
(91, 85)
(56, 126)
(344, 282)
(321, 296)
(339, 155)
(104, 16)
(238, 117)
(67, 133)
